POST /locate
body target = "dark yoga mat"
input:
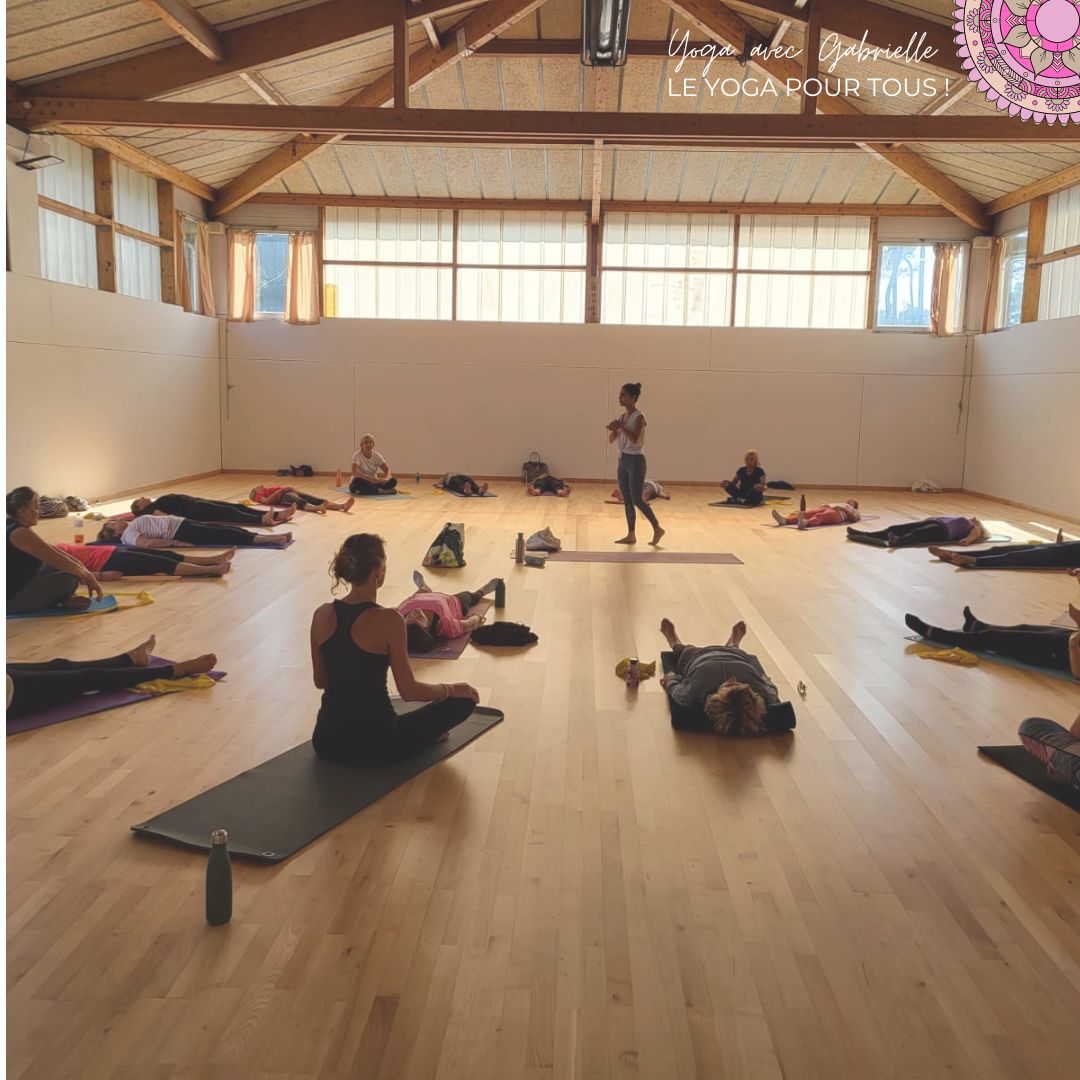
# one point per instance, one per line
(106, 603)
(281, 806)
(780, 718)
(88, 704)
(452, 648)
(719, 558)
(1028, 767)
(460, 495)
(724, 504)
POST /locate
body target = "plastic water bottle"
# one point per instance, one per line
(418, 478)
(219, 880)
(633, 675)
(80, 531)
(500, 595)
(519, 548)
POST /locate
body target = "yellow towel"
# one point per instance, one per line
(948, 656)
(646, 668)
(173, 686)
(141, 599)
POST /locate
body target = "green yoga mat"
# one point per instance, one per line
(369, 498)
(273, 810)
(994, 658)
(1020, 763)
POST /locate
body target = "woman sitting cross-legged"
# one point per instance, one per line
(1057, 748)
(828, 514)
(944, 529)
(209, 510)
(284, 495)
(34, 687)
(431, 617)
(354, 643)
(1054, 647)
(546, 484)
(1062, 555)
(462, 484)
(371, 474)
(39, 575)
(166, 531)
(729, 684)
(748, 486)
(111, 562)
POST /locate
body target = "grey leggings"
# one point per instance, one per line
(631, 476)
(46, 589)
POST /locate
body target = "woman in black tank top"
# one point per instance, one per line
(354, 642)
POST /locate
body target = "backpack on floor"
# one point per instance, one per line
(52, 508)
(448, 548)
(301, 470)
(533, 468)
(504, 633)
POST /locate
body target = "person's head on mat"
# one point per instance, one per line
(735, 709)
(361, 560)
(629, 393)
(112, 529)
(23, 506)
(140, 504)
(420, 630)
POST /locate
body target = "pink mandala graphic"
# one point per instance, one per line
(1024, 55)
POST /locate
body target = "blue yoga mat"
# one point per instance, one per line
(994, 658)
(106, 604)
(368, 498)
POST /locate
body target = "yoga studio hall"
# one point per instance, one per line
(543, 540)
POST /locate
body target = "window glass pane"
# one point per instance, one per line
(68, 249)
(521, 238)
(905, 281)
(1062, 220)
(691, 241)
(1060, 295)
(138, 268)
(271, 262)
(135, 199)
(812, 301)
(362, 234)
(659, 298)
(493, 294)
(189, 237)
(770, 242)
(73, 181)
(388, 292)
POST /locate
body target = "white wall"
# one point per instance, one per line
(105, 392)
(1023, 438)
(827, 407)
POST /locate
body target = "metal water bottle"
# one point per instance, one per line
(519, 548)
(633, 675)
(219, 880)
(418, 478)
(80, 531)
(500, 595)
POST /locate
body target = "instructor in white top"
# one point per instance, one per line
(629, 431)
(370, 473)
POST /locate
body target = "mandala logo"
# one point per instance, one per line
(1024, 55)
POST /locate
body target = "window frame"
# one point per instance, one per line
(962, 283)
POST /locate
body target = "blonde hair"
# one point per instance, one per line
(736, 710)
(367, 437)
(756, 456)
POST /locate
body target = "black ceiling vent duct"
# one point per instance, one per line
(603, 32)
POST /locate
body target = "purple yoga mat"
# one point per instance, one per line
(87, 704)
(719, 558)
(452, 648)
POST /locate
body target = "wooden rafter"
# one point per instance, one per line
(1048, 185)
(724, 25)
(184, 20)
(264, 88)
(844, 125)
(254, 45)
(480, 27)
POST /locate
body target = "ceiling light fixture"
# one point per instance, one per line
(604, 25)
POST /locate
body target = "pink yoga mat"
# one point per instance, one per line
(87, 704)
(718, 558)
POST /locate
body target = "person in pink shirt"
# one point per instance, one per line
(431, 617)
(109, 562)
(814, 516)
(284, 495)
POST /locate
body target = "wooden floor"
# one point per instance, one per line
(582, 892)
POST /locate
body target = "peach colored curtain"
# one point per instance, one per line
(242, 275)
(183, 284)
(207, 304)
(302, 280)
(943, 308)
(992, 300)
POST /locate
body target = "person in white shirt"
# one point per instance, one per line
(371, 474)
(629, 431)
(169, 531)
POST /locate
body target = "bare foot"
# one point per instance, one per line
(629, 538)
(483, 487)
(778, 517)
(227, 555)
(221, 569)
(140, 655)
(199, 666)
(943, 554)
(76, 603)
(109, 575)
(657, 536)
(286, 514)
(344, 507)
(738, 632)
(671, 636)
(280, 539)
(963, 560)
(562, 493)
(531, 491)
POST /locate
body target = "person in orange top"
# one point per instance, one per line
(283, 495)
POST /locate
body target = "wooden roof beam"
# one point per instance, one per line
(1048, 185)
(180, 17)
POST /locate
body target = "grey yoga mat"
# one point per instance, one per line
(1020, 763)
(275, 809)
(720, 558)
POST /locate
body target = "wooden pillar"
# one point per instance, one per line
(401, 57)
(319, 259)
(167, 230)
(872, 284)
(592, 272)
(106, 232)
(811, 60)
(1036, 246)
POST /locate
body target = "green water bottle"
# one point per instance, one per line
(218, 880)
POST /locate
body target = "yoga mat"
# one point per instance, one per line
(718, 558)
(87, 704)
(1028, 767)
(97, 607)
(773, 525)
(741, 506)
(458, 494)
(452, 648)
(397, 495)
(780, 718)
(282, 805)
(994, 658)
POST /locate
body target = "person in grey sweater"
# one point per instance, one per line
(726, 682)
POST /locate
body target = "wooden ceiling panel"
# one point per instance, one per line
(871, 182)
(631, 171)
(733, 176)
(393, 168)
(641, 86)
(566, 169)
(521, 83)
(326, 170)
(461, 173)
(529, 171)
(444, 90)
(699, 176)
(563, 84)
(560, 19)
(803, 178)
(770, 172)
(480, 79)
(649, 20)
(425, 164)
(335, 92)
(900, 189)
(527, 29)
(493, 164)
(299, 180)
(842, 170)
(224, 90)
(359, 168)
(665, 174)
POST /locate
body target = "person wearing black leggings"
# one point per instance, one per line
(210, 510)
(165, 531)
(1064, 555)
(354, 643)
(629, 431)
(110, 563)
(34, 687)
(1054, 647)
(463, 484)
(946, 529)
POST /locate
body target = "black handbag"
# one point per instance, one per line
(533, 468)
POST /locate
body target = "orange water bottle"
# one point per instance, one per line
(80, 531)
